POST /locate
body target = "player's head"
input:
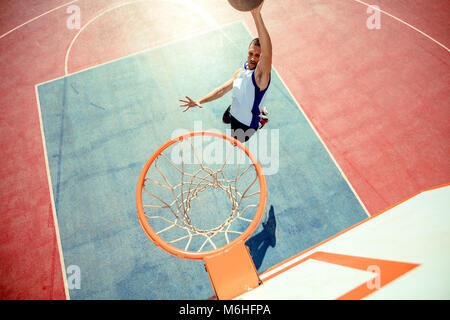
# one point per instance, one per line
(254, 53)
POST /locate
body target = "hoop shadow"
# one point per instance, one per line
(259, 243)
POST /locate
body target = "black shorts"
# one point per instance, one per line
(239, 130)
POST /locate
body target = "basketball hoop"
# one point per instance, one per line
(188, 184)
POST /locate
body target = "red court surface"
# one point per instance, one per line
(378, 99)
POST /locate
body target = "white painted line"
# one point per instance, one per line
(405, 23)
(50, 186)
(188, 4)
(66, 60)
(324, 145)
(23, 24)
(190, 36)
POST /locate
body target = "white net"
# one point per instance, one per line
(201, 193)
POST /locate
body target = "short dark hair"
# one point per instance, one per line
(255, 42)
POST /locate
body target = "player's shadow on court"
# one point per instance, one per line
(259, 243)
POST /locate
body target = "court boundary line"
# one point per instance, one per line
(52, 198)
(91, 20)
(324, 145)
(359, 1)
(404, 22)
(35, 18)
(171, 42)
(184, 3)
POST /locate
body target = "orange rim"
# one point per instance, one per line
(200, 255)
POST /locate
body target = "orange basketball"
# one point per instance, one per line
(245, 5)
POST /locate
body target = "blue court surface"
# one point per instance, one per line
(101, 125)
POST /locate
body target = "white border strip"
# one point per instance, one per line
(35, 18)
(50, 186)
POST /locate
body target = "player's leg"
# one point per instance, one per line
(264, 117)
(240, 131)
(226, 118)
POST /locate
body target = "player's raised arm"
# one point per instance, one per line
(264, 67)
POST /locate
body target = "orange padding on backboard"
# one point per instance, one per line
(337, 235)
(388, 271)
(232, 272)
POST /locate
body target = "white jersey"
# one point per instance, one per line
(247, 98)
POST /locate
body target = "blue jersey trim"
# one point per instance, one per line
(256, 113)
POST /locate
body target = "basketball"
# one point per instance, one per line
(245, 5)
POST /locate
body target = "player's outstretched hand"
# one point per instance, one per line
(189, 103)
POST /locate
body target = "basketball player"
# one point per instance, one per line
(249, 84)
